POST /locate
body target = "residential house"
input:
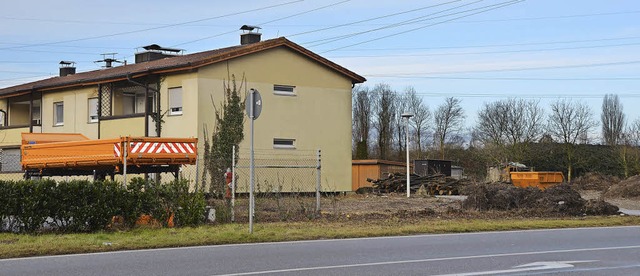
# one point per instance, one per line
(307, 101)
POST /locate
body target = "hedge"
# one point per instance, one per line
(84, 206)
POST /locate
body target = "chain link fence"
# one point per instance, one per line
(287, 183)
(10, 168)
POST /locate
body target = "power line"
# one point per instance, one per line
(521, 95)
(493, 45)
(154, 28)
(267, 22)
(515, 69)
(371, 19)
(483, 10)
(490, 52)
(129, 23)
(510, 79)
(398, 24)
(550, 17)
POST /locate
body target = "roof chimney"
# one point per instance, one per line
(67, 68)
(249, 36)
(154, 52)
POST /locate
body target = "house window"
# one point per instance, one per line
(58, 114)
(283, 143)
(284, 90)
(10, 160)
(93, 110)
(175, 101)
(133, 100)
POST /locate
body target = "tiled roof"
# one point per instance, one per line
(173, 64)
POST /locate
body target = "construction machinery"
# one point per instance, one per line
(56, 154)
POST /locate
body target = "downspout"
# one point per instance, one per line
(31, 113)
(157, 99)
(99, 107)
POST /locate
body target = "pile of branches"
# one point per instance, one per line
(437, 184)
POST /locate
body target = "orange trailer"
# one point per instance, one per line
(74, 154)
(540, 180)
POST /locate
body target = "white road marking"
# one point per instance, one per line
(524, 268)
(432, 260)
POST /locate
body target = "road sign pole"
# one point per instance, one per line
(251, 166)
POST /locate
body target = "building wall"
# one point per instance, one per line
(76, 112)
(317, 117)
(122, 127)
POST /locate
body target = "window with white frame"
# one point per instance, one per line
(58, 114)
(175, 101)
(92, 105)
(284, 143)
(284, 90)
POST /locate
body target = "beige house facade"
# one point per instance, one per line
(306, 102)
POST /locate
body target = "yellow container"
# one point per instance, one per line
(540, 180)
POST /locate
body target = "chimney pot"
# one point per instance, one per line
(67, 68)
(249, 37)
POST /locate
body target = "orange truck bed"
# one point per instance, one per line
(540, 180)
(42, 151)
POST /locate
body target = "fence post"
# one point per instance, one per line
(233, 185)
(124, 162)
(318, 167)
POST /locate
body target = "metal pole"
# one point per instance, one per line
(318, 182)
(408, 170)
(124, 162)
(251, 177)
(233, 185)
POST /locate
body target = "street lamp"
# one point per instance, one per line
(407, 115)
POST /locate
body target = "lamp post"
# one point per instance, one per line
(407, 115)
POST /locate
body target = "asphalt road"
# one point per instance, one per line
(586, 251)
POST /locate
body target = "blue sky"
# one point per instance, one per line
(540, 49)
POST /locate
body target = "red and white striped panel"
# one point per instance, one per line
(116, 150)
(148, 147)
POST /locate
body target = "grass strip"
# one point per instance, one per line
(22, 245)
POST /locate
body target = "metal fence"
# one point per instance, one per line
(279, 176)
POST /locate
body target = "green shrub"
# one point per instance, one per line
(86, 206)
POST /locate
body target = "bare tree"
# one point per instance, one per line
(568, 122)
(400, 128)
(384, 112)
(448, 120)
(628, 148)
(509, 126)
(420, 119)
(362, 112)
(613, 119)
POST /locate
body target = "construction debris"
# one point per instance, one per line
(437, 184)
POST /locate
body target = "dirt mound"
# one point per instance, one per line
(557, 200)
(594, 181)
(628, 188)
(600, 207)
